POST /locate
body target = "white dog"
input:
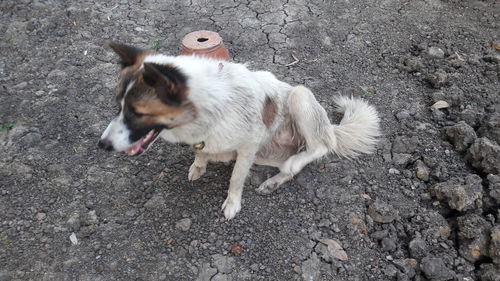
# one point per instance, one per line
(227, 112)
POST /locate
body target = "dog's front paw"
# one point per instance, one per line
(268, 186)
(195, 172)
(231, 208)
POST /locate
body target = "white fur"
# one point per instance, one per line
(230, 99)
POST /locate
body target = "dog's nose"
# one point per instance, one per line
(105, 144)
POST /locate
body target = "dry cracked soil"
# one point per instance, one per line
(424, 206)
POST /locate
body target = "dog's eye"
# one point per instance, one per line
(131, 109)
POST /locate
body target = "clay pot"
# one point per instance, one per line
(205, 43)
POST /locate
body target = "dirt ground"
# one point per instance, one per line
(425, 206)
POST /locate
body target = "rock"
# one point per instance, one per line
(221, 277)
(311, 268)
(402, 115)
(183, 224)
(489, 272)
(407, 266)
(460, 135)
(224, 264)
(485, 156)
(41, 216)
(422, 171)
(474, 236)
(382, 212)
(330, 250)
(378, 235)
(491, 128)
(206, 272)
(460, 194)
(436, 52)
(438, 227)
(495, 245)
(438, 79)
(404, 145)
(401, 159)
(469, 116)
(494, 187)
(390, 270)
(388, 244)
(155, 202)
(435, 269)
(74, 222)
(418, 248)
(413, 65)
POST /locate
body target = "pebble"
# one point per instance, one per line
(183, 224)
(382, 212)
(436, 52)
(435, 269)
(422, 171)
(41, 216)
(418, 248)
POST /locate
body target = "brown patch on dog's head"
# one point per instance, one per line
(269, 111)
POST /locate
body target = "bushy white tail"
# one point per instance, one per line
(358, 129)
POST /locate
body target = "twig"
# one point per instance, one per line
(296, 60)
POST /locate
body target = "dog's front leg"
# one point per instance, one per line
(199, 166)
(244, 160)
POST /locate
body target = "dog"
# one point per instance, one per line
(227, 112)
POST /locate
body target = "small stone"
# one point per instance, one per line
(393, 171)
(438, 79)
(436, 52)
(435, 269)
(206, 272)
(474, 236)
(382, 212)
(73, 239)
(495, 245)
(155, 202)
(74, 222)
(404, 145)
(183, 224)
(388, 244)
(378, 235)
(485, 156)
(311, 268)
(20, 86)
(221, 277)
(401, 159)
(41, 216)
(489, 272)
(422, 171)
(460, 194)
(494, 187)
(224, 264)
(402, 115)
(390, 270)
(418, 248)
(460, 135)
(407, 266)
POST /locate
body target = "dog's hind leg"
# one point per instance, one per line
(311, 122)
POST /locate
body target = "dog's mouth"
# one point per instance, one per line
(143, 143)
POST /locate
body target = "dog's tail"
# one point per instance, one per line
(358, 130)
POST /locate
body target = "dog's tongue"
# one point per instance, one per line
(133, 150)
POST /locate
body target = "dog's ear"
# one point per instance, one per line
(128, 54)
(168, 82)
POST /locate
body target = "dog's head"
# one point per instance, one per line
(151, 97)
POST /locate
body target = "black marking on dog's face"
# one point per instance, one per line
(168, 81)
